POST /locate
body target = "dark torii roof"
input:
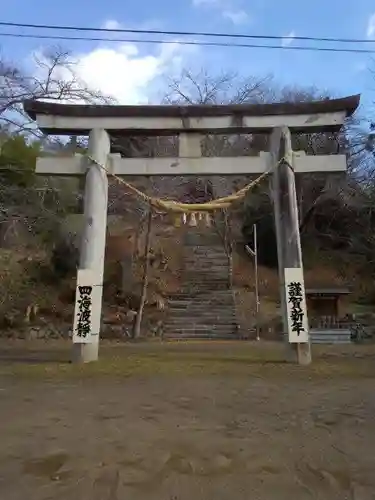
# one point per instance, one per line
(346, 104)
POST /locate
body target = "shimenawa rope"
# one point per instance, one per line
(175, 206)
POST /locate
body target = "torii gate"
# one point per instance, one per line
(189, 123)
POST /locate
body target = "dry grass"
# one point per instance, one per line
(20, 284)
(265, 360)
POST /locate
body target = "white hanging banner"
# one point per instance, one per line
(86, 324)
(298, 326)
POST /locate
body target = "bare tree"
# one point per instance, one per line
(225, 88)
(54, 77)
(138, 319)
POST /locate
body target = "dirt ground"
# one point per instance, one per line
(192, 420)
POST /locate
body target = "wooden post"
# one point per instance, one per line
(257, 302)
(94, 232)
(287, 228)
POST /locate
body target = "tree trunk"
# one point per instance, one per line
(228, 245)
(138, 319)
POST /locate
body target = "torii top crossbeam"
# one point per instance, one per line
(147, 120)
(190, 123)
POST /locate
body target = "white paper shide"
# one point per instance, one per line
(86, 323)
(298, 327)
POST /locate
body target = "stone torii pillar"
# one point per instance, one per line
(94, 237)
(289, 252)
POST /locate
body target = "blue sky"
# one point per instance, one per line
(131, 70)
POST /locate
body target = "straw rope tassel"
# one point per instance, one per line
(193, 220)
(207, 217)
(177, 220)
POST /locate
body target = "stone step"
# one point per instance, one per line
(201, 278)
(207, 249)
(205, 259)
(199, 273)
(206, 274)
(215, 303)
(204, 288)
(201, 305)
(211, 309)
(207, 268)
(209, 281)
(205, 255)
(206, 284)
(200, 295)
(214, 293)
(202, 241)
(205, 308)
(200, 325)
(221, 270)
(204, 299)
(215, 266)
(219, 257)
(202, 312)
(180, 327)
(201, 318)
(201, 322)
(199, 254)
(202, 334)
(188, 283)
(186, 321)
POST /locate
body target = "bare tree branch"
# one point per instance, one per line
(54, 78)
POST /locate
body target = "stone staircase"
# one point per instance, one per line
(205, 308)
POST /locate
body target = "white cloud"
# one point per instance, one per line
(131, 73)
(118, 72)
(288, 39)
(149, 24)
(360, 66)
(121, 72)
(371, 26)
(111, 24)
(236, 16)
(227, 9)
(198, 3)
